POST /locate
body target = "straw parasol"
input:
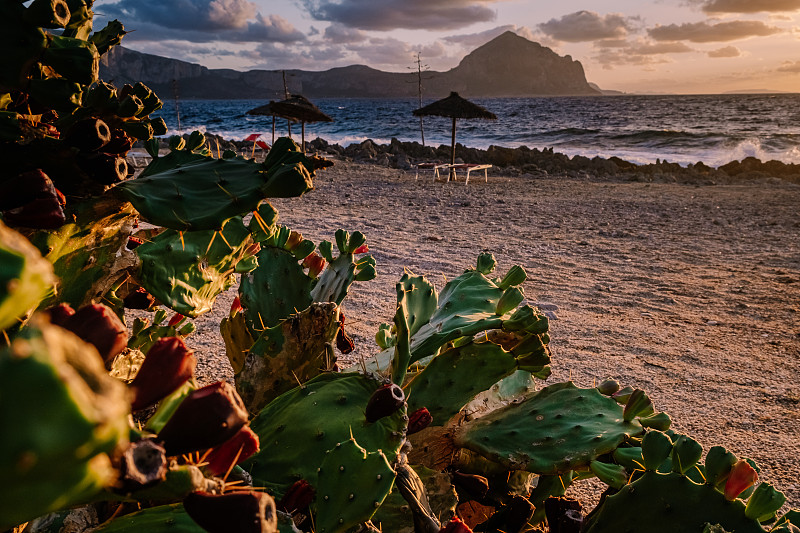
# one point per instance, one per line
(454, 107)
(296, 108)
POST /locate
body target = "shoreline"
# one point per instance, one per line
(541, 163)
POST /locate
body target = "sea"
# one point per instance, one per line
(685, 129)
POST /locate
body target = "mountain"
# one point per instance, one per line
(508, 65)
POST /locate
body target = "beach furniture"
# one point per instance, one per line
(434, 167)
(296, 108)
(469, 167)
(454, 107)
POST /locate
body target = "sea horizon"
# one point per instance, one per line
(684, 129)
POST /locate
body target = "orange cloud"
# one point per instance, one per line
(705, 32)
(728, 51)
(751, 6)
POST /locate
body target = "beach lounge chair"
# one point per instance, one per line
(470, 167)
(435, 167)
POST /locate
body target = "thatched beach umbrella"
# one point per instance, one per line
(296, 108)
(454, 107)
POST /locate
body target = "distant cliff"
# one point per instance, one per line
(508, 65)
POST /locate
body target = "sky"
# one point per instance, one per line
(642, 46)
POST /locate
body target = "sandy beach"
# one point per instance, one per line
(691, 292)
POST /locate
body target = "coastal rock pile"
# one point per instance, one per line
(537, 162)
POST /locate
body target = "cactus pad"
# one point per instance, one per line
(667, 503)
(300, 426)
(65, 413)
(25, 277)
(557, 429)
(294, 350)
(351, 485)
(186, 271)
(188, 191)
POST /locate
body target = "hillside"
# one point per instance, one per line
(508, 65)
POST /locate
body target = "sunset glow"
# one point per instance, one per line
(672, 46)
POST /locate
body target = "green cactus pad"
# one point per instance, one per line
(275, 290)
(300, 426)
(187, 191)
(557, 429)
(25, 277)
(454, 377)
(351, 485)
(65, 413)
(165, 518)
(85, 252)
(187, 270)
(667, 503)
(293, 351)
(334, 282)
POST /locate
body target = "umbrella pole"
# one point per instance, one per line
(303, 136)
(273, 129)
(453, 153)
(289, 126)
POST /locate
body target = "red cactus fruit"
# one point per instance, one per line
(60, 313)
(168, 365)
(25, 188)
(470, 486)
(232, 452)
(207, 417)
(105, 169)
(175, 320)
(139, 298)
(455, 526)
(236, 307)
(742, 477)
(297, 498)
(42, 213)
(314, 263)
(98, 325)
(344, 343)
(384, 401)
(363, 249)
(242, 512)
(419, 420)
(133, 242)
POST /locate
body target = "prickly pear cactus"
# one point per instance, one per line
(555, 430)
(187, 191)
(66, 415)
(292, 352)
(187, 270)
(172, 518)
(25, 277)
(321, 413)
(468, 305)
(662, 501)
(351, 485)
(342, 270)
(87, 252)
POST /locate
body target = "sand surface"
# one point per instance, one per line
(691, 292)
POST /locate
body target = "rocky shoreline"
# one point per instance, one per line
(533, 162)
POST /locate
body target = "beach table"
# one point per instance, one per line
(469, 167)
(429, 166)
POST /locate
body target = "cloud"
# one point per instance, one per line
(199, 21)
(790, 66)
(340, 34)
(473, 40)
(407, 14)
(708, 32)
(583, 26)
(639, 52)
(750, 6)
(728, 51)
